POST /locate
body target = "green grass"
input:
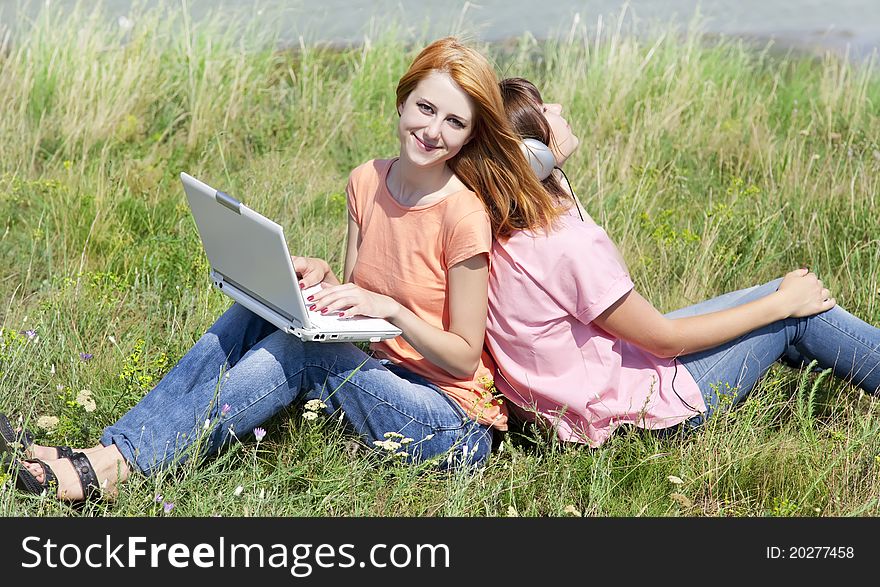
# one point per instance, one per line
(713, 165)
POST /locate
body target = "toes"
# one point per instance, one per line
(36, 470)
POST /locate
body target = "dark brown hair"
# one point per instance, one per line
(524, 107)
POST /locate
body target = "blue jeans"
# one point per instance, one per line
(257, 370)
(836, 339)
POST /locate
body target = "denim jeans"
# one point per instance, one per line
(835, 338)
(257, 370)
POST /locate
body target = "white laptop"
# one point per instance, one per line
(250, 262)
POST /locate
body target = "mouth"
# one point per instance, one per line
(425, 146)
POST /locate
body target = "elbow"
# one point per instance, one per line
(465, 369)
(666, 344)
(668, 349)
(666, 352)
(465, 373)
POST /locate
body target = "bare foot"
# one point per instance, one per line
(110, 468)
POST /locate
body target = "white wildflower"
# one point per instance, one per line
(84, 398)
(314, 405)
(238, 491)
(206, 425)
(310, 415)
(675, 480)
(389, 445)
(47, 423)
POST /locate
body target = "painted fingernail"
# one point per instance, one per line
(323, 310)
(341, 314)
(312, 307)
(302, 285)
(311, 298)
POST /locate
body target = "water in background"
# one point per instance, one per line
(845, 26)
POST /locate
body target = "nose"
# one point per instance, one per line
(432, 131)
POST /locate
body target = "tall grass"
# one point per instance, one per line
(712, 164)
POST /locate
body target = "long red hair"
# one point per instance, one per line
(491, 163)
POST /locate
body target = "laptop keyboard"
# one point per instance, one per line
(334, 322)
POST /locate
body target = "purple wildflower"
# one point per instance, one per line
(225, 409)
(168, 506)
(259, 433)
(85, 356)
(30, 334)
(158, 498)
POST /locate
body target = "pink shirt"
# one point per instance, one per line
(544, 292)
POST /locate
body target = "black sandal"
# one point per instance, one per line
(12, 442)
(26, 481)
(88, 479)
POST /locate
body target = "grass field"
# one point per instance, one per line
(714, 166)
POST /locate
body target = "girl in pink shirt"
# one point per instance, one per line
(577, 347)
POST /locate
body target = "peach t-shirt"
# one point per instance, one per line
(544, 292)
(405, 252)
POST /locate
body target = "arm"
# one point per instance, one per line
(353, 241)
(312, 270)
(634, 319)
(456, 350)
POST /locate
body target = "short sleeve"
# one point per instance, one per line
(588, 275)
(351, 200)
(471, 235)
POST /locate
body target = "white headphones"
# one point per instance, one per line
(540, 157)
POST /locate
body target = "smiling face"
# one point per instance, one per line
(436, 121)
(563, 141)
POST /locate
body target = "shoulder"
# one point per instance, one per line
(370, 171)
(568, 234)
(463, 203)
(571, 247)
(464, 212)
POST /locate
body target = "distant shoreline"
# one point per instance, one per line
(817, 45)
(858, 48)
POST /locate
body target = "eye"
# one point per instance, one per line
(426, 108)
(456, 123)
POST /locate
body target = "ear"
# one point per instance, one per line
(400, 109)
